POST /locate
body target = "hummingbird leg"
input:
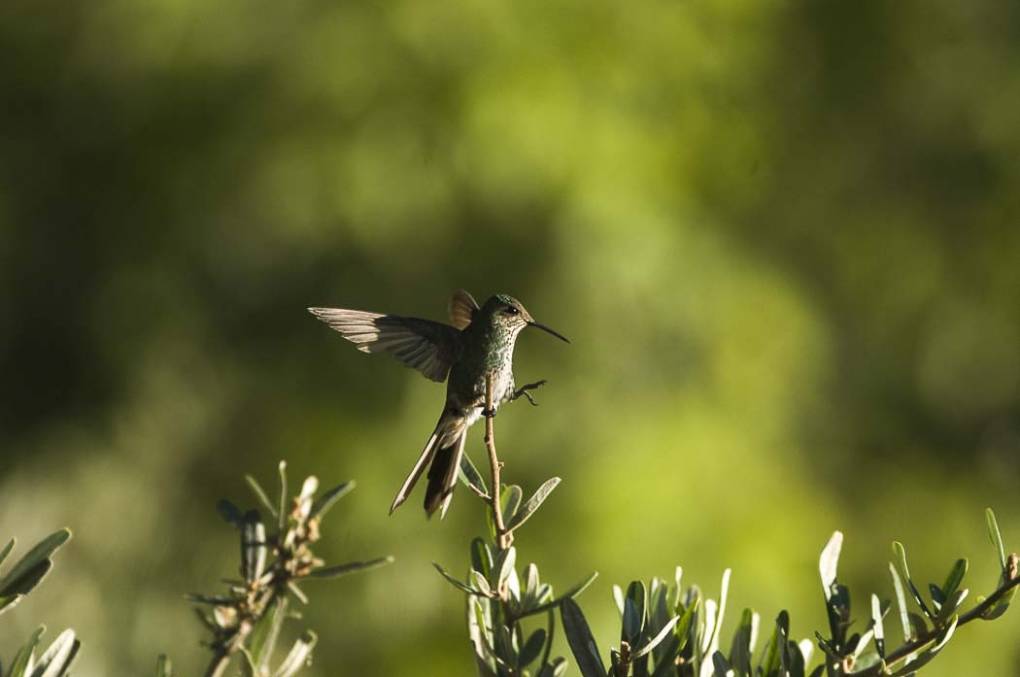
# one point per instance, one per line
(523, 391)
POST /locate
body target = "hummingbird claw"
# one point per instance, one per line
(523, 392)
(488, 413)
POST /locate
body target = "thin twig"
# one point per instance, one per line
(910, 647)
(503, 537)
(219, 662)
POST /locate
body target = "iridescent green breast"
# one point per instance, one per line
(487, 350)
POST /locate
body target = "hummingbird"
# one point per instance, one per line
(478, 345)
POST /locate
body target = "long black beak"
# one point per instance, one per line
(555, 333)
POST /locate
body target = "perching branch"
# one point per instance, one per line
(504, 538)
(915, 645)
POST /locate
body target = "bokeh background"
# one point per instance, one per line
(783, 237)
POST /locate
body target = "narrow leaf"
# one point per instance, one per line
(654, 641)
(349, 568)
(955, 577)
(877, 624)
(470, 476)
(26, 574)
(7, 550)
(569, 594)
(261, 495)
(299, 655)
(266, 634)
(828, 562)
(460, 585)
(511, 499)
(582, 643)
(996, 536)
(900, 559)
(323, 503)
(533, 503)
(57, 659)
(532, 648)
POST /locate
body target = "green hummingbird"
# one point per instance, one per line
(480, 344)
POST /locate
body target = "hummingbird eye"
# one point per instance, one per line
(511, 310)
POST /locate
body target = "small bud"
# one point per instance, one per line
(225, 616)
(1012, 566)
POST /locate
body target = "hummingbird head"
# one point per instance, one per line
(510, 315)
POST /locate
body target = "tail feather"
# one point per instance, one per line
(443, 476)
(412, 478)
(442, 456)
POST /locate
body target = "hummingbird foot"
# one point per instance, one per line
(523, 391)
(489, 413)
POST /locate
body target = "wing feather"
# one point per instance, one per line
(462, 309)
(430, 347)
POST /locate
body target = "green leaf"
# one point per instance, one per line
(555, 669)
(19, 665)
(504, 566)
(164, 668)
(532, 648)
(828, 563)
(740, 650)
(460, 585)
(918, 627)
(266, 633)
(511, 500)
(713, 641)
(900, 559)
(26, 580)
(9, 602)
(996, 536)
(481, 584)
(654, 641)
(281, 511)
(722, 667)
(928, 654)
(952, 604)
(299, 655)
(349, 568)
(261, 495)
(254, 548)
(955, 577)
(533, 504)
(293, 588)
(481, 557)
(633, 613)
(470, 476)
(480, 635)
(776, 648)
(31, 568)
(230, 513)
(877, 624)
(569, 594)
(901, 602)
(248, 668)
(531, 582)
(323, 503)
(582, 643)
(57, 659)
(7, 549)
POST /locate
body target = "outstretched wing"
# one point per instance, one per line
(462, 309)
(430, 347)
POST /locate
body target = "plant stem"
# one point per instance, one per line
(503, 537)
(912, 646)
(218, 664)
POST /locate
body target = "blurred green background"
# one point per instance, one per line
(783, 238)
